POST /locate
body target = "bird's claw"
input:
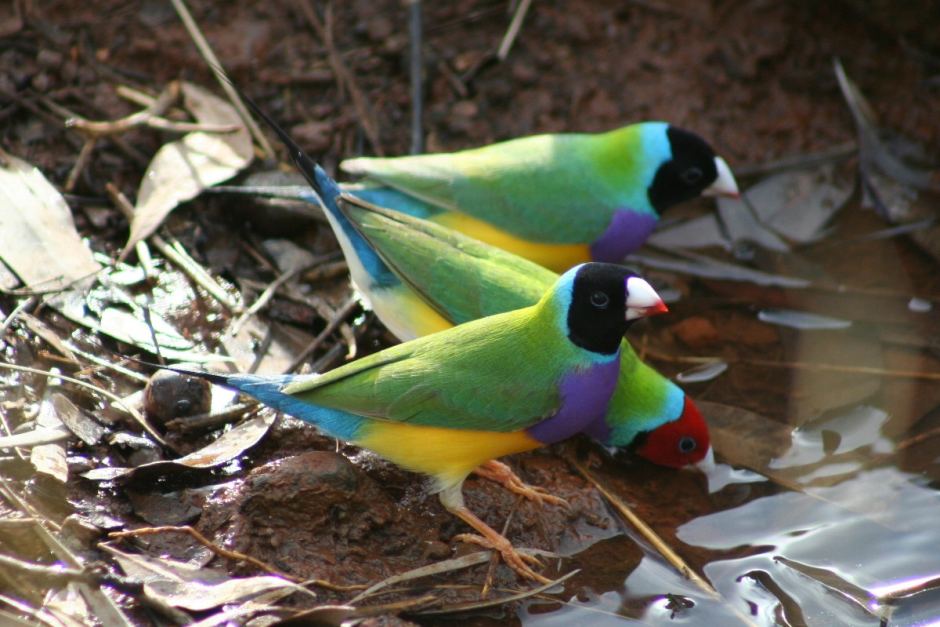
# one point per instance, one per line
(504, 475)
(519, 562)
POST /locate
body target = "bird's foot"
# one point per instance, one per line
(519, 562)
(504, 475)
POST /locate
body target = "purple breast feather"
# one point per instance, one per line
(585, 395)
(626, 232)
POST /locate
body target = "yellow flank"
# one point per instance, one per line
(405, 314)
(557, 257)
(448, 455)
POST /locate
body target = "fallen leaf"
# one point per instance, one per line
(801, 320)
(182, 169)
(700, 374)
(704, 266)
(50, 459)
(36, 437)
(227, 447)
(699, 232)
(77, 421)
(743, 225)
(797, 204)
(195, 588)
(38, 240)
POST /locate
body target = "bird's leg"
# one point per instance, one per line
(504, 475)
(452, 500)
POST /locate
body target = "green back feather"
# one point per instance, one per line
(499, 373)
(561, 188)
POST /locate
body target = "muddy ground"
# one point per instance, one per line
(753, 77)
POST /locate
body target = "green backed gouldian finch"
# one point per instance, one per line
(445, 403)
(556, 199)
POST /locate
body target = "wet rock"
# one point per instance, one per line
(171, 395)
(163, 509)
(316, 511)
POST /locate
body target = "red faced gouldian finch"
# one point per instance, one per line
(445, 403)
(556, 199)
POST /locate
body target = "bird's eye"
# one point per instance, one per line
(687, 444)
(600, 300)
(691, 176)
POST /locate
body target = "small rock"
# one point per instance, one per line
(696, 332)
(171, 395)
(163, 509)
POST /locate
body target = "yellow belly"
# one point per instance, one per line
(448, 455)
(557, 257)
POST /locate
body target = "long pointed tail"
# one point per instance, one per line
(268, 389)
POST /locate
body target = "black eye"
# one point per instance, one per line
(687, 444)
(691, 176)
(600, 300)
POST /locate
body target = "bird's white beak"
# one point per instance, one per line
(724, 185)
(643, 300)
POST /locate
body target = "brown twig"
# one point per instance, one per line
(229, 554)
(344, 78)
(647, 532)
(209, 420)
(95, 129)
(216, 66)
(80, 163)
(331, 326)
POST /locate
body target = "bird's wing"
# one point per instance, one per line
(461, 278)
(495, 374)
(542, 188)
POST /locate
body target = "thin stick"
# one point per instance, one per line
(80, 163)
(651, 536)
(510, 37)
(216, 66)
(343, 77)
(263, 299)
(344, 311)
(111, 397)
(229, 554)
(97, 129)
(20, 308)
(415, 68)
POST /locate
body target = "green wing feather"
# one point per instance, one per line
(535, 187)
(467, 377)
(462, 278)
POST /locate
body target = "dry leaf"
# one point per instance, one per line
(184, 585)
(38, 240)
(50, 459)
(228, 446)
(182, 169)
